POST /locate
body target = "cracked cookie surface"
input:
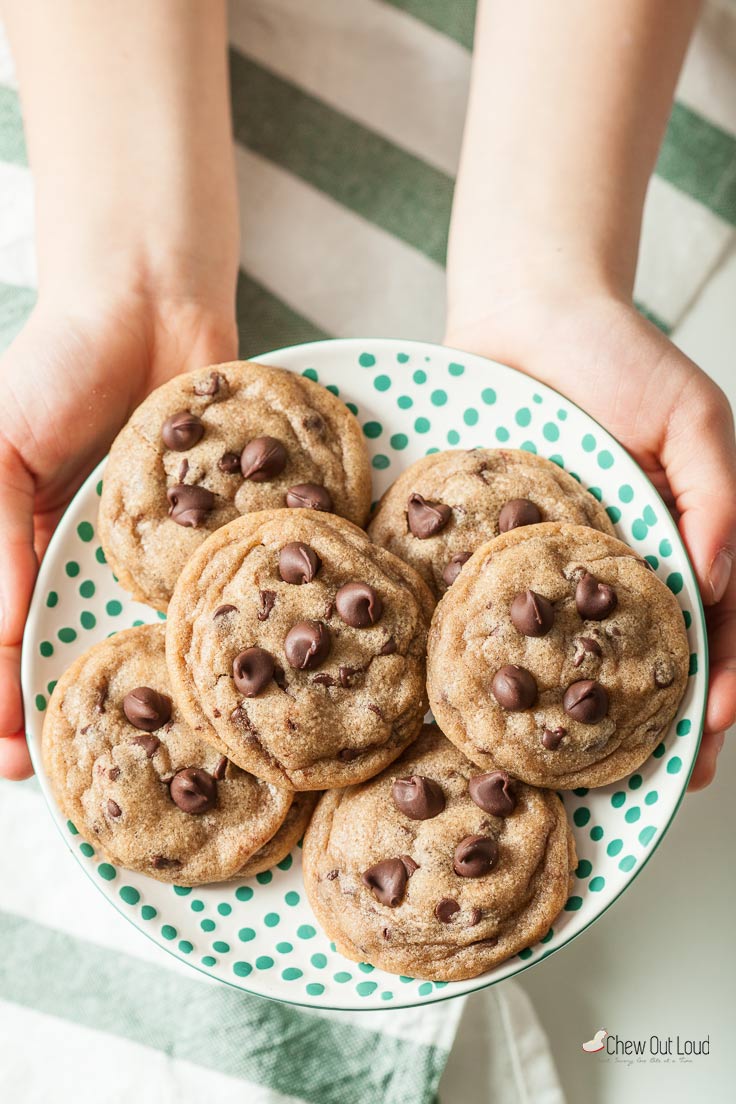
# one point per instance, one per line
(558, 655)
(410, 873)
(148, 792)
(300, 647)
(446, 505)
(216, 443)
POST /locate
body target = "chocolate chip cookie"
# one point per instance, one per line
(138, 783)
(302, 646)
(434, 869)
(445, 505)
(558, 655)
(216, 443)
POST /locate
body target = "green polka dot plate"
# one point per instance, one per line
(411, 399)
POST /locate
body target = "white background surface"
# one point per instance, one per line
(661, 960)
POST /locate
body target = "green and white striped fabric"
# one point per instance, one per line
(348, 116)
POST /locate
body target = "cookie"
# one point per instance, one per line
(434, 870)
(302, 646)
(558, 655)
(216, 443)
(137, 782)
(446, 505)
(287, 837)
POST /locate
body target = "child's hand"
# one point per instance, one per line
(674, 421)
(70, 381)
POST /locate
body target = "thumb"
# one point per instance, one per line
(18, 567)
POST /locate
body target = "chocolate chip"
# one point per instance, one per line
(586, 701)
(113, 809)
(183, 469)
(347, 755)
(263, 459)
(587, 646)
(387, 881)
(307, 644)
(359, 605)
(426, 518)
(418, 797)
(445, 909)
(252, 671)
(532, 614)
(323, 679)
(268, 601)
(409, 864)
(345, 673)
(182, 431)
(389, 647)
(150, 744)
(102, 697)
(309, 496)
(189, 505)
(517, 512)
(114, 773)
(219, 772)
(146, 708)
(475, 856)
(376, 709)
(453, 567)
(493, 793)
(160, 862)
(193, 790)
(552, 738)
(279, 677)
(298, 563)
(314, 423)
(475, 917)
(664, 672)
(229, 463)
(594, 600)
(210, 386)
(386, 933)
(222, 610)
(514, 688)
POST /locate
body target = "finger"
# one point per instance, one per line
(15, 760)
(705, 765)
(17, 573)
(699, 455)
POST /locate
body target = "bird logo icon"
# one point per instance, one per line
(596, 1043)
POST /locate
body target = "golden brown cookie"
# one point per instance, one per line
(435, 870)
(558, 655)
(216, 443)
(445, 505)
(301, 646)
(137, 782)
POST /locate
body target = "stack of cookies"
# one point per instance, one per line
(287, 691)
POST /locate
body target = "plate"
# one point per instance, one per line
(411, 399)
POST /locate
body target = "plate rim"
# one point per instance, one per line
(437, 996)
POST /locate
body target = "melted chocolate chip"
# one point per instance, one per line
(160, 862)
(331, 875)
(453, 567)
(102, 696)
(189, 505)
(389, 647)
(323, 679)
(426, 518)
(113, 774)
(252, 671)
(182, 431)
(387, 881)
(532, 614)
(664, 672)
(514, 688)
(475, 856)
(359, 605)
(229, 463)
(475, 917)
(113, 809)
(183, 469)
(586, 701)
(146, 708)
(445, 909)
(347, 755)
(307, 644)
(517, 512)
(210, 386)
(150, 744)
(493, 793)
(594, 600)
(309, 496)
(298, 563)
(268, 601)
(418, 797)
(193, 790)
(219, 772)
(263, 459)
(345, 673)
(222, 610)
(552, 738)
(587, 646)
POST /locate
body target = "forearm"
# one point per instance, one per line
(568, 105)
(128, 129)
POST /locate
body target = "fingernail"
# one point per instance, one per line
(720, 573)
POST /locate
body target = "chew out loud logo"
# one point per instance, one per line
(655, 1046)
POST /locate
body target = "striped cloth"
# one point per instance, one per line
(347, 118)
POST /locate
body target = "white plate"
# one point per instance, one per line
(410, 398)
